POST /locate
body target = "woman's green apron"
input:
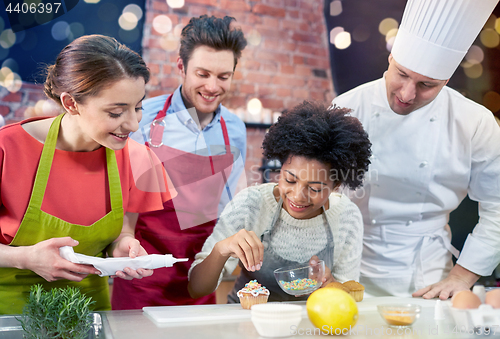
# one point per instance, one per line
(37, 226)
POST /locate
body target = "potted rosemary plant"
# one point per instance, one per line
(61, 313)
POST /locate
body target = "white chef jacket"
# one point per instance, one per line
(422, 167)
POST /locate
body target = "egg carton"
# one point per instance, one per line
(485, 316)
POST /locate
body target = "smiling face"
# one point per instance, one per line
(304, 186)
(108, 118)
(207, 78)
(408, 91)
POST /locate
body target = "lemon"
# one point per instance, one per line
(332, 310)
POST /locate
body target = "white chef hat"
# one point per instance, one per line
(435, 35)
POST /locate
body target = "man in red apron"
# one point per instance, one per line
(202, 146)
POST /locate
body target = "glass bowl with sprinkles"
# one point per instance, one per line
(300, 280)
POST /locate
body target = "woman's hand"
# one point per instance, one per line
(43, 258)
(244, 245)
(327, 276)
(128, 246)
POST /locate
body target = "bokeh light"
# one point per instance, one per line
(60, 30)
(497, 25)
(490, 23)
(361, 33)
(492, 101)
(4, 71)
(475, 55)
(178, 30)
(391, 34)
(175, 3)
(134, 9)
(162, 24)
(76, 30)
(26, 52)
(46, 108)
(390, 43)
(7, 38)
(254, 106)
(10, 80)
(169, 42)
(466, 64)
(474, 71)
(343, 40)
(334, 32)
(4, 52)
(253, 37)
(20, 36)
(386, 25)
(11, 64)
(335, 7)
(128, 21)
(489, 38)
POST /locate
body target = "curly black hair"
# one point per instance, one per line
(326, 134)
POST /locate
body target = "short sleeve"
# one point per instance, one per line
(150, 185)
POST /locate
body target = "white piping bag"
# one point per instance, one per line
(109, 266)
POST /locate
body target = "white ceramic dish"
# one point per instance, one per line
(276, 308)
(275, 320)
(273, 328)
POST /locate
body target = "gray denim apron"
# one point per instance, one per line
(272, 261)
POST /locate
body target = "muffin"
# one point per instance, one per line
(339, 286)
(253, 293)
(356, 290)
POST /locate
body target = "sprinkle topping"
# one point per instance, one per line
(254, 288)
(298, 284)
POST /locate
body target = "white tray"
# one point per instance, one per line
(200, 313)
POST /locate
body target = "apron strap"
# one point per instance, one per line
(226, 136)
(115, 187)
(228, 151)
(419, 271)
(158, 125)
(45, 163)
(266, 235)
(330, 245)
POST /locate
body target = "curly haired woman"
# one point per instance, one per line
(301, 219)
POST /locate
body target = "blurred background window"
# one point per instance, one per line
(26, 51)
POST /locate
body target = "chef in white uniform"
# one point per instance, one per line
(431, 147)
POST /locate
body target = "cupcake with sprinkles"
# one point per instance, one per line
(253, 293)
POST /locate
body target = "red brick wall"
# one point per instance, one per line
(279, 71)
(13, 105)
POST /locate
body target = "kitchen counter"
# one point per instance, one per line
(137, 324)
(188, 322)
